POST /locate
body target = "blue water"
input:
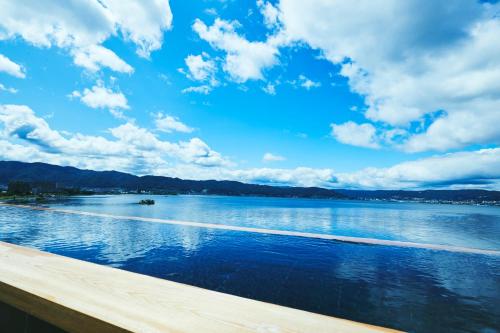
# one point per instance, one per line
(416, 290)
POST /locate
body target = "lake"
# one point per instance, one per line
(417, 290)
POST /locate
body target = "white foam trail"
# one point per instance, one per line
(348, 239)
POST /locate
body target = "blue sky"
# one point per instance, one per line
(378, 95)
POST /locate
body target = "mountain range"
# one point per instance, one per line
(70, 177)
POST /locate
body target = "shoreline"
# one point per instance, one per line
(55, 197)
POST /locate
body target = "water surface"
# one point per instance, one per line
(416, 290)
(457, 225)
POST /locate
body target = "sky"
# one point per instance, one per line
(365, 94)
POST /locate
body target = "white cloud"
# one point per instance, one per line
(20, 122)
(307, 83)
(269, 12)
(7, 89)
(26, 137)
(169, 124)
(472, 169)
(301, 176)
(458, 129)
(304, 82)
(269, 157)
(50, 24)
(82, 26)
(11, 68)
(94, 57)
(142, 22)
(410, 60)
(101, 97)
(200, 69)
(203, 89)
(197, 152)
(211, 11)
(361, 135)
(479, 168)
(269, 89)
(244, 60)
(165, 78)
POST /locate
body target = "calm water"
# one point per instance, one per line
(416, 290)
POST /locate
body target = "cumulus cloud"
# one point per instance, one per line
(82, 26)
(142, 22)
(210, 11)
(479, 168)
(269, 89)
(197, 152)
(456, 130)
(101, 97)
(301, 176)
(410, 60)
(269, 157)
(361, 135)
(11, 68)
(201, 67)
(169, 124)
(472, 169)
(94, 57)
(7, 89)
(244, 60)
(305, 82)
(269, 12)
(204, 89)
(26, 137)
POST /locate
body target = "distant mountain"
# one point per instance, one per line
(111, 180)
(88, 179)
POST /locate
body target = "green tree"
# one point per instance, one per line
(19, 188)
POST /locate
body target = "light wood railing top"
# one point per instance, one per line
(79, 296)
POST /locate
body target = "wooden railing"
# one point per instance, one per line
(79, 296)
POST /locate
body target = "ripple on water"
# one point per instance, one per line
(411, 289)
